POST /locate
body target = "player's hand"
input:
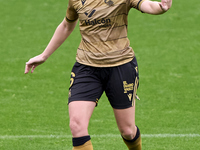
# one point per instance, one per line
(33, 63)
(165, 4)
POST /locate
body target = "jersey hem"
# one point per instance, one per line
(106, 65)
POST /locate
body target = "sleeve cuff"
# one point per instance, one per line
(139, 4)
(68, 20)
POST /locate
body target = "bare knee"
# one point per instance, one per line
(78, 128)
(128, 132)
(74, 126)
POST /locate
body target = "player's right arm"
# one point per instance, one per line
(62, 32)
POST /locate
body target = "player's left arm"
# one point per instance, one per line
(60, 35)
(156, 8)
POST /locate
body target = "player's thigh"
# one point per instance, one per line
(81, 110)
(80, 113)
(125, 119)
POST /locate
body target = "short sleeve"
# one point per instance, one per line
(136, 3)
(71, 14)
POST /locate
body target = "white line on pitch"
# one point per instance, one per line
(101, 135)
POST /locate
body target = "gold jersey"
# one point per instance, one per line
(103, 27)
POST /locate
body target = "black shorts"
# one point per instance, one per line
(120, 84)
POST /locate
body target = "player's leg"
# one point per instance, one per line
(125, 119)
(80, 113)
(85, 90)
(121, 91)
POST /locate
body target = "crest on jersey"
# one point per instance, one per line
(83, 2)
(90, 14)
(109, 2)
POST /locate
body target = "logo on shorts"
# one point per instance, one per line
(130, 96)
(128, 87)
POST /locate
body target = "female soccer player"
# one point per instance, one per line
(104, 62)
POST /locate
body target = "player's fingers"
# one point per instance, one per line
(164, 2)
(165, 5)
(27, 68)
(168, 3)
(33, 68)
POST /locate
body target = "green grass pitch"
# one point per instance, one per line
(33, 107)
